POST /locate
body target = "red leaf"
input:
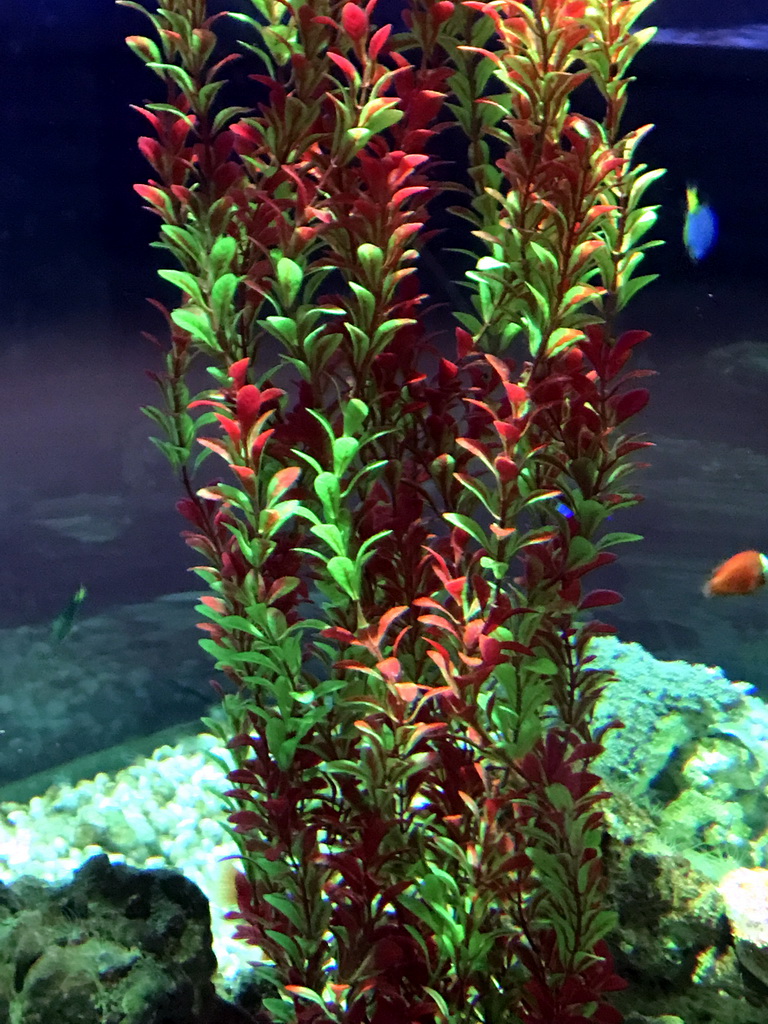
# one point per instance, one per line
(232, 428)
(248, 405)
(629, 339)
(441, 11)
(499, 366)
(237, 371)
(631, 403)
(407, 192)
(378, 39)
(507, 431)
(282, 481)
(346, 65)
(215, 446)
(151, 150)
(354, 21)
(338, 633)
(616, 357)
(245, 820)
(515, 393)
(598, 598)
(432, 620)
(152, 195)
(258, 444)
(424, 730)
(490, 649)
(464, 343)
(506, 468)
(407, 691)
(389, 668)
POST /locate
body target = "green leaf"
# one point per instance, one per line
(181, 240)
(145, 49)
(281, 1011)
(384, 331)
(638, 223)
(306, 993)
(287, 943)
(284, 905)
(198, 324)
(468, 525)
(344, 450)
(313, 463)
(328, 491)
(332, 535)
(281, 482)
(364, 552)
(534, 335)
(269, 524)
(359, 136)
(618, 538)
(187, 282)
(371, 257)
(591, 514)
(601, 925)
(487, 263)
(222, 254)
(641, 183)
(383, 119)
(344, 573)
(367, 303)
(355, 414)
(562, 339)
(176, 74)
(222, 296)
(559, 796)
(289, 279)
(284, 328)
(580, 552)
(226, 115)
(480, 490)
(499, 569)
(628, 290)
(543, 255)
(541, 300)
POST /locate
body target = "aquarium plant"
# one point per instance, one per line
(396, 512)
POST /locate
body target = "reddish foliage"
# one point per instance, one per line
(345, 814)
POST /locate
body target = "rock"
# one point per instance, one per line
(745, 892)
(668, 915)
(115, 944)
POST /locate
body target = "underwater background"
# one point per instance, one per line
(87, 502)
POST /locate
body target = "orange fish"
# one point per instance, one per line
(740, 574)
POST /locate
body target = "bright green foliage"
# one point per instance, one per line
(394, 556)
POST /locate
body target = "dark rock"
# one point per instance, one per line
(116, 944)
(672, 944)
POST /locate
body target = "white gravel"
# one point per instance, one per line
(164, 811)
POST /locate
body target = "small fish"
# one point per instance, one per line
(62, 625)
(700, 228)
(740, 574)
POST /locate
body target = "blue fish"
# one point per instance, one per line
(700, 229)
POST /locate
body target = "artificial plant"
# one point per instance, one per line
(395, 538)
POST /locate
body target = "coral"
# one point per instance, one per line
(693, 751)
(664, 705)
